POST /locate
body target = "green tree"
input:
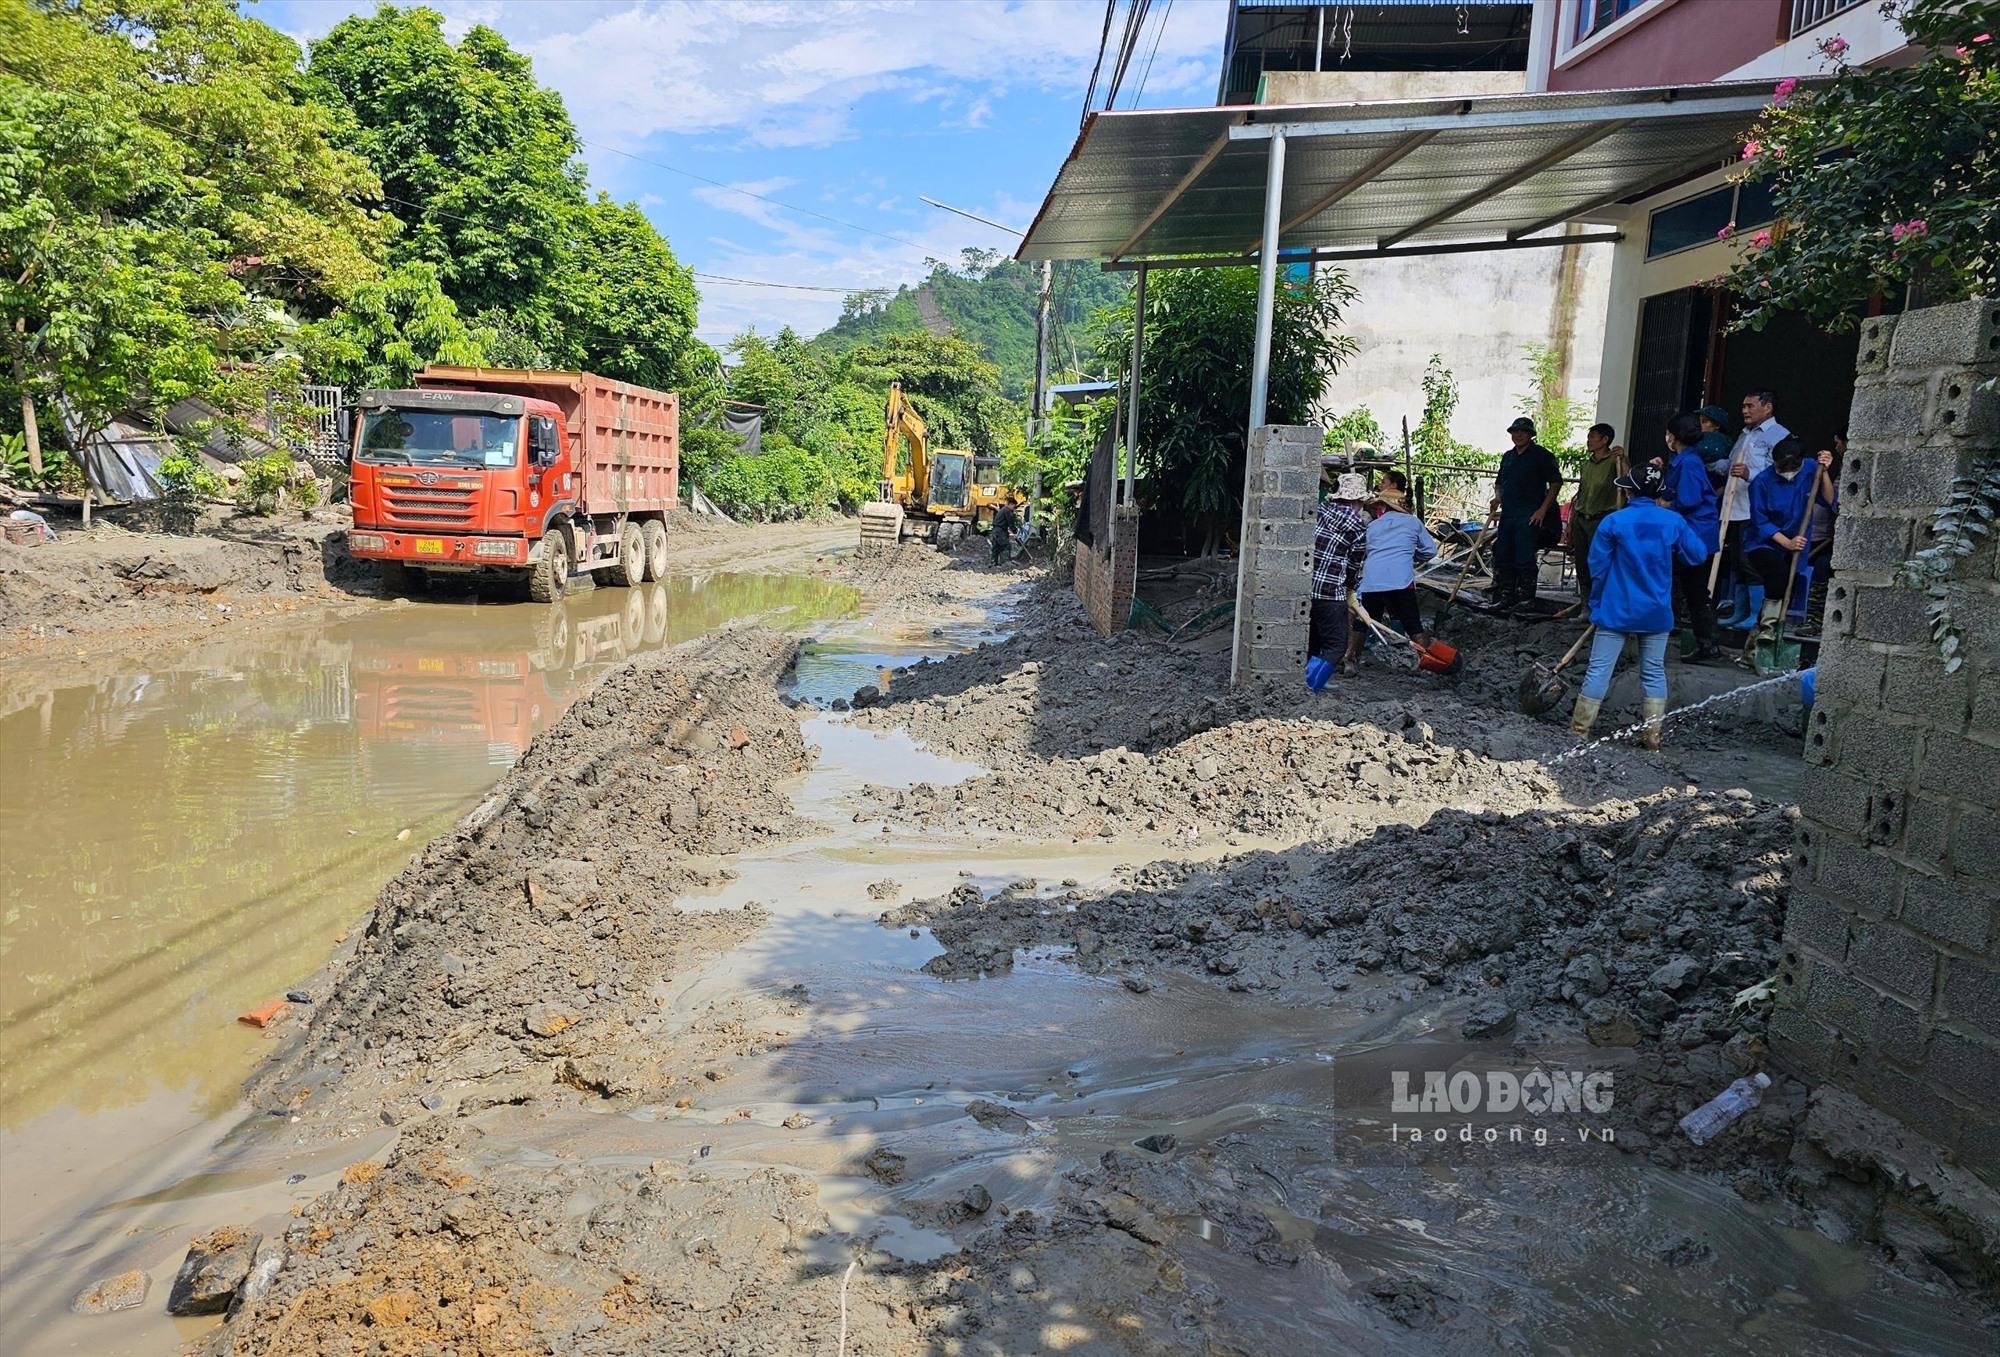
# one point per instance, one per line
(388, 329)
(1885, 176)
(955, 389)
(625, 304)
(477, 159)
(1194, 395)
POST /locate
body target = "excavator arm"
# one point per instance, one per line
(901, 421)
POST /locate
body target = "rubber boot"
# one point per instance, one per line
(1584, 715)
(1768, 618)
(1653, 714)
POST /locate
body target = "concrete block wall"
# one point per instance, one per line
(1890, 983)
(1282, 501)
(1105, 578)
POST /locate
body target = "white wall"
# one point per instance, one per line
(1870, 36)
(1477, 311)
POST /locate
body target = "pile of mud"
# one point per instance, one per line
(921, 584)
(109, 578)
(533, 934)
(1633, 924)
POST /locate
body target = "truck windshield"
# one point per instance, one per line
(440, 438)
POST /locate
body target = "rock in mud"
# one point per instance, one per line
(1681, 974)
(126, 1291)
(885, 1164)
(997, 1117)
(546, 1020)
(1138, 984)
(886, 889)
(977, 1201)
(1487, 1018)
(1160, 1142)
(216, 1265)
(1586, 977)
(1606, 1024)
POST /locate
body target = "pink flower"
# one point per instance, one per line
(1784, 90)
(1723, 234)
(1761, 241)
(1752, 149)
(1835, 47)
(1983, 37)
(1916, 228)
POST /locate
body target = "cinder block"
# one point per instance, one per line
(1959, 335)
(1910, 1098)
(1977, 1146)
(1801, 1044)
(1865, 543)
(1926, 836)
(1278, 532)
(1890, 614)
(1277, 661)
(1966, 1070)
(1841, 1002)
(1955, 766)
(1839, 619)
(1950, 909)
(1834, 800)
(1900, 1031)
(1851, 675)
(1915, 683)
(1865, 882)
(1871, 356)
(1975, 845)
(1915, 478)
(1887, 411)
(1887, 956)
(1961, 409)
(1819, 747)
(1855, 473)
(1971, 995)
(1872, 746)
(1815, 919)
(1986, 706)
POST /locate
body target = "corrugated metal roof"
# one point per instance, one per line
(1191, 181)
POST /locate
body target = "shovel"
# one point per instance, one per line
(1544, 686)
(1471, 560)
(1435, 658)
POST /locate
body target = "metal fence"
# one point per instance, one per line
(324, 446)
(1810, 13)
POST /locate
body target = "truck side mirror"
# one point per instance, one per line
(542, 446)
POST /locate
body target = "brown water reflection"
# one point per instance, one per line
(185, 840)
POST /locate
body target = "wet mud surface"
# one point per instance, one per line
(731, 1024)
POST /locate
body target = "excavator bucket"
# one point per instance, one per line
(881, 527)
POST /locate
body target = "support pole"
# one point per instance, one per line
(1138, 369)
(1038, 417)
(1260, 369)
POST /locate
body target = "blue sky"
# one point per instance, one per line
(846, 108)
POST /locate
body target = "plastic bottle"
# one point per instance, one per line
(1709, 1120)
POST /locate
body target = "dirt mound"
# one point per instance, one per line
(1633, 924)
(535, 930)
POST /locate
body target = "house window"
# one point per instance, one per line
(1700, 220)
(1593, 15)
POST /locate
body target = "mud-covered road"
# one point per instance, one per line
(1052, 999)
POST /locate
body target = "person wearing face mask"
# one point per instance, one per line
(1779, 532)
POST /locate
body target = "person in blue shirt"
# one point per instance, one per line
(1780, 532)
(1691, 493)
(1397, 541)
(1632, 564)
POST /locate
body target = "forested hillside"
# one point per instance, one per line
(989, 301)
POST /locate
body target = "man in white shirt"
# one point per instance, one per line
(1748, 459)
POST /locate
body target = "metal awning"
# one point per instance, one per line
(1402, 176)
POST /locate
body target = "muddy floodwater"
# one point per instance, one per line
(188, 836)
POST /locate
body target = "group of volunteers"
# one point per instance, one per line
(1643, 535)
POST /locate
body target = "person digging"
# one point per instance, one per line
(1632, 561)
(1340, 546)
(1397, 542)
(1780, 531)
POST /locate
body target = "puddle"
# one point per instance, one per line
(188, 837)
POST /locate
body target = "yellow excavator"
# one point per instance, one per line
(937, 497)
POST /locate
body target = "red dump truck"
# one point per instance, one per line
(507, 472)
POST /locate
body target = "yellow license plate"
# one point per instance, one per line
(429, 546)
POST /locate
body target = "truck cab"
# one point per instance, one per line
(456, 480)
(519, 473)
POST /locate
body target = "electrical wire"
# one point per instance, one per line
(1103, 40)
(1158, 33)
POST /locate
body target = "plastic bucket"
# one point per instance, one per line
(1438, 658)
(1318, 671)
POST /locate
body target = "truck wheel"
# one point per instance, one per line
(631, 568)
(394, 578)
(548, 577)
(655, 534)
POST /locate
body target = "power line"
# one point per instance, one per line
(1103, 40)
(789, 287)
(1158, 33)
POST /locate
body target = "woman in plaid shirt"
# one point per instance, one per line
(1339, 547)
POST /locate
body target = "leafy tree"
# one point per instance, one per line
(1194, 396)
(475, 157)
(1356, 426)
(626, 306)
(388, 329)
(1548, 403)
(955, 389)
(1884, 176)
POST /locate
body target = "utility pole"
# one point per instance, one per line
(1038, 416)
